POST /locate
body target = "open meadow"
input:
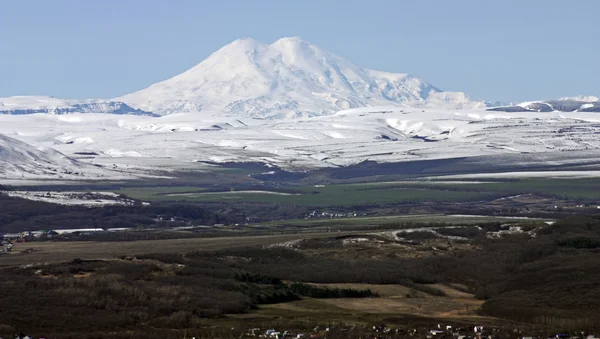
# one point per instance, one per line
(369, 193)
(48, 252)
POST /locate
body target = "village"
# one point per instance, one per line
(381, 331)
(9, 240)
(438, 331)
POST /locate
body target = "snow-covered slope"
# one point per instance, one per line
(289, 78)
(40, 104)
(382, 134)
(567, 104)
(19, 160)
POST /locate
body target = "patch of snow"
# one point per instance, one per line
(73, 198)
(81, 230)
(509, 230)
(230, 192)
(350, 241)
(394, 234)
(487, 216)
(292, 244)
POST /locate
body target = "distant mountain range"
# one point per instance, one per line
(39, 104)
(572, 104)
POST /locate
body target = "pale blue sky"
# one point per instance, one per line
(492, 49)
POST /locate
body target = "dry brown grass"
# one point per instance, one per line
(384, 291)
(453, 290)
(392, 302)
(64, 251)
(456, 305)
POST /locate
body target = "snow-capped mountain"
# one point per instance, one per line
(567, 104)
(289, 78)
(41, 104)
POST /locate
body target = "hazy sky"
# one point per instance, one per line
(491, 49)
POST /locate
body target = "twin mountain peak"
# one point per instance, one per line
(288, 78)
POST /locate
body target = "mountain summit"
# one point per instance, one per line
(289, 78)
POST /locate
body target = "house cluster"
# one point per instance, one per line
(30, 235)
(331, 215)
(6, 246)
(578, 206)
(317, 332)
(382, 331)
(376, 331)
(485, 332)
(24, 336)
(9, 240)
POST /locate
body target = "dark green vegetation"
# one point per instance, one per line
(466, 232)
(288, 204)
(163, 291)
(551, 279)
(18, 215)
(335, 195)
(159, 219)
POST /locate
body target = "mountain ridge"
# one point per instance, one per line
(18, 105)
(566, 104)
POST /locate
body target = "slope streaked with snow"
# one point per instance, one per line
(19, 160)
(381, 134)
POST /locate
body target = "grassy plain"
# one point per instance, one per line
(392, 307)
(40, 252)
(244, 236)
(378, 192)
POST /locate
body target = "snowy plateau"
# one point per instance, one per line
(288, 105)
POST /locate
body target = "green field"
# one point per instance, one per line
(379, 193)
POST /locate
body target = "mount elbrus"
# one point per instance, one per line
(291, 105)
